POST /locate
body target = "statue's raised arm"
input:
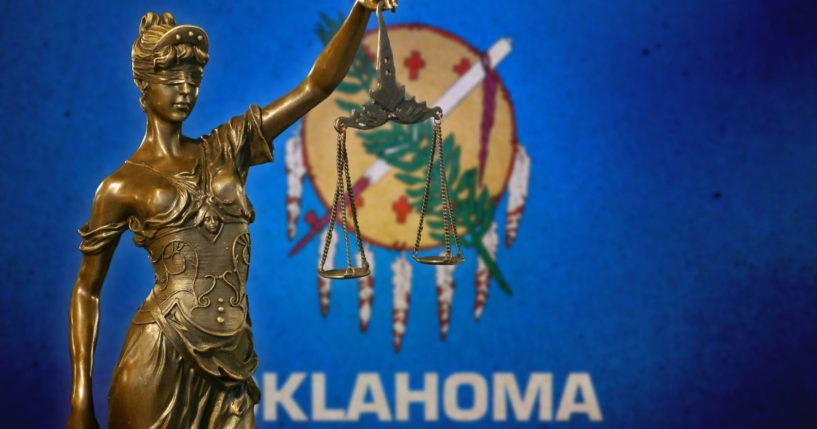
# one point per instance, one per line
(327, 73)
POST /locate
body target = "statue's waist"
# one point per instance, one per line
(221, 312)
(203, 275)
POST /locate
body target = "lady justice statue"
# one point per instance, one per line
(188, 356)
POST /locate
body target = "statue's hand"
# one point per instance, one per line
(82, 417)
(372, 4)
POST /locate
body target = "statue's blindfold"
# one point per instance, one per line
(177, 76)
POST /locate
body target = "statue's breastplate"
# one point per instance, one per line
(201, 277)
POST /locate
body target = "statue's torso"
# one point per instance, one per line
(198, 241)
(191, 214)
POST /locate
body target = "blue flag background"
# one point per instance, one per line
(669, 246)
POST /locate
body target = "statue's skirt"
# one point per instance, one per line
(155, 387)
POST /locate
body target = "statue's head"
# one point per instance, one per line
(168, 62)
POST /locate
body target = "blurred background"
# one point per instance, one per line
(667, 246)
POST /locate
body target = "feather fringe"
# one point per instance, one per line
(517, 194)
(445, 295)
(401, 298)
(295, 170)
(324, 284)
(365, 290)
(483, 279)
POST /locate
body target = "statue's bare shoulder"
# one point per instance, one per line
(128, 191)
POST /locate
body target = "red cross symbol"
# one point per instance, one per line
(463, 66)
(401, 209)
(414, 63)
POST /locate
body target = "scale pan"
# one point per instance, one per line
(345, 273)
(439, 260)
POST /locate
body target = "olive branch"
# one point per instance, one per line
(406, 148)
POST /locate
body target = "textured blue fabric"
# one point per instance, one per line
(669, 243)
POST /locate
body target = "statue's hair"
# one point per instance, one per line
(146, 62)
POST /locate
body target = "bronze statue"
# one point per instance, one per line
(188, 356)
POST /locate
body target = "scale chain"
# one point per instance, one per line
(451, 226)
(351, 195)
(343, 190)
(342, 168)
(432, 151)
(443, 190)
(334, 212)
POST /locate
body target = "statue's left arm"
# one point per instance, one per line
(327, 73)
